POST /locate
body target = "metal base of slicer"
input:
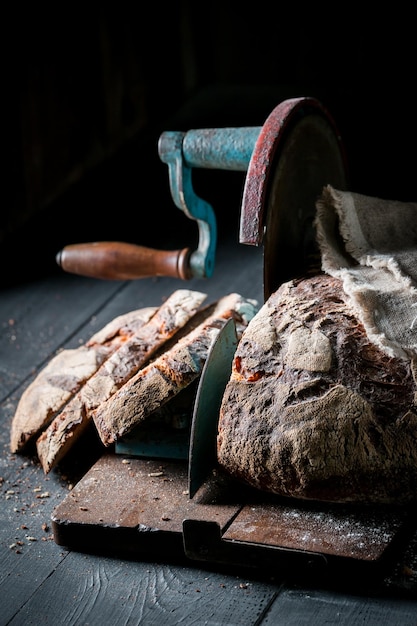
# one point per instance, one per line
(141, 504)
(140, 508)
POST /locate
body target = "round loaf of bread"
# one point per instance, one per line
(313, 409)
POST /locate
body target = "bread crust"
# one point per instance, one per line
(65, 374)
(67, 427)
(313, 409)
(166, 376)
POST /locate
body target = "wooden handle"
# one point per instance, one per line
(114, 260)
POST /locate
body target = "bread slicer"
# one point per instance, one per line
(156, 507)
(288, 160)
(169, 508)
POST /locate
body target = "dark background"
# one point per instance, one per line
(88, 92)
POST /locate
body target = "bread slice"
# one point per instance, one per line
(169, 374)
(65, 374)
(71, 422)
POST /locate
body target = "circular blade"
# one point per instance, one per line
(309, 160)
(297, 153)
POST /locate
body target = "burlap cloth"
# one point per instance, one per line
(371, 245)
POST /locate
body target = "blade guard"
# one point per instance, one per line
(213, 381)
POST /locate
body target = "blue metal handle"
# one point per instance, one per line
(213, 148)
(220, 148)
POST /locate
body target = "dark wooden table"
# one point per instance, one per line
(42, 582)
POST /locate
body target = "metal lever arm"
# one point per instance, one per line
(113, 260)
(226, 148)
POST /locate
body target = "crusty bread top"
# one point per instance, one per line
(313, 409)
(65, 429)
(65, 374)
(168, 374)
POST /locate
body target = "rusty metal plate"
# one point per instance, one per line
(363, 534)
(134, 506)
(303, 542)
(141, 508)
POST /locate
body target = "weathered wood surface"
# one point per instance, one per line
(41, 582)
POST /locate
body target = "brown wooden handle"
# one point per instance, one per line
(114, 260)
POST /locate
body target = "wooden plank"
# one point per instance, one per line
(294, 607)
(27, 551)
(22, 574)
(95, 590)
(40, 317)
